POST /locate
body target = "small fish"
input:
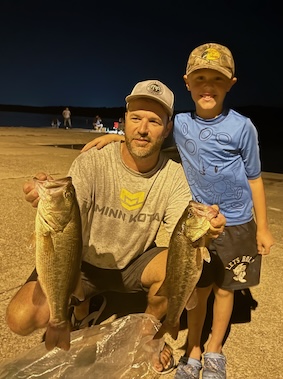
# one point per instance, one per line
(186, 253)
(58, 243)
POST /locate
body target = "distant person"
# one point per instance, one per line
(97, 123)
(121, 126)
(55, 123)
(67, 118)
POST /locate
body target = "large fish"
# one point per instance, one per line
(58, 239)
(186, 253)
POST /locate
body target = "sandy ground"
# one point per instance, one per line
(253, 350)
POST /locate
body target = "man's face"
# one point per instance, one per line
(146, 126)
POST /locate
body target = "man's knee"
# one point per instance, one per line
(23, 316)
(14, 318)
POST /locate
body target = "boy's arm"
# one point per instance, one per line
(102, 141)
(264, 236)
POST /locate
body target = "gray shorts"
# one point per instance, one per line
(235, 262)
(97, 280)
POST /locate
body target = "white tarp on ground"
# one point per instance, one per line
(123, 349)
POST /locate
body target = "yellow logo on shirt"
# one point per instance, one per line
(131, 201)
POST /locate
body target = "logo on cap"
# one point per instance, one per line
(211, 54)
(154, 88)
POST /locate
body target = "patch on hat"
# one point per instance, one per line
(211, 54)
(154, 88)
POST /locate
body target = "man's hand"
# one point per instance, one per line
(31, 194)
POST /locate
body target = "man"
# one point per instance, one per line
(125, 191)
(67, 118)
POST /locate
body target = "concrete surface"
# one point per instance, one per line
(253, 350)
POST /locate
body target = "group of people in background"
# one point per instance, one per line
(97, 123)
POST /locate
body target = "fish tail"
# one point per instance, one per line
(58, 335)
(165, 328)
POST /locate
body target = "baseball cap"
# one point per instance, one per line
(214, 56)
(155, 90)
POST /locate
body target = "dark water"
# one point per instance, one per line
(39, 120)
(271, 154)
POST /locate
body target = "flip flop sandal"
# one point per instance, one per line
(96, 307)
(171, 366)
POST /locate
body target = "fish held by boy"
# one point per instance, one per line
(58, 239)
(186, 253)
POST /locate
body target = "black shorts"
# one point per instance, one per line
(235, 262)
(96, 280)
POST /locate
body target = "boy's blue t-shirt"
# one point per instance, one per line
(219, 156)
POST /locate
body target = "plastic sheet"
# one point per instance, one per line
(123, 349)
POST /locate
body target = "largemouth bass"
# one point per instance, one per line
(58, 239)
(186, 253)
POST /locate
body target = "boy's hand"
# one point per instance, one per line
(217, 224)
(264, 241)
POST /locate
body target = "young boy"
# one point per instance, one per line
(220, 155)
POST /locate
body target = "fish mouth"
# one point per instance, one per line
(53, 183)
(53, 187)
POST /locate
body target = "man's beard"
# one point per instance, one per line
(143, 152)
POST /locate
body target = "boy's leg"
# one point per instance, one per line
(222, 311)
(190, 365)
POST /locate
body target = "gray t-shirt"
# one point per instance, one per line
(122, 209)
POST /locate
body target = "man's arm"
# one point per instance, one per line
(102, 141)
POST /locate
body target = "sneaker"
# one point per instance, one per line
(188, 368)
(214, 366)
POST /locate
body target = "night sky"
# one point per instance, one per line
(91, 53)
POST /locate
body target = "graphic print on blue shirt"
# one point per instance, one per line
(218, 159)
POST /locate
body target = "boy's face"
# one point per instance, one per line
(208, 90)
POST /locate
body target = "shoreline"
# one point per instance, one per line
(270, 161)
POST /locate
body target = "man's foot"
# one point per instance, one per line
(214, 366)
(166, 361)
(96, 306)
(188, 368)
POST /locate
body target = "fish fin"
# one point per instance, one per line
(193, 300)
(165, 328)
(58, 336)
(31, 242)
(205, 254)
